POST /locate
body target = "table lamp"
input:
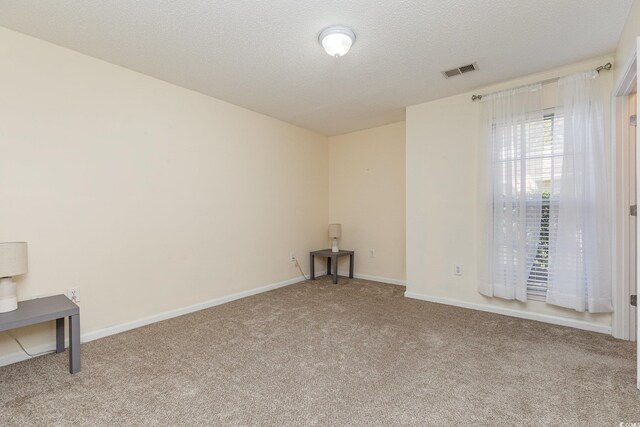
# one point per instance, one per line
(334, 233)
(13, 262)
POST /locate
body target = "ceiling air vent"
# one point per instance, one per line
(460, 70)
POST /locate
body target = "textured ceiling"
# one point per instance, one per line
(264, 55)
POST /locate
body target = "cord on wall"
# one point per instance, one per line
(25, 350)
(300, 268)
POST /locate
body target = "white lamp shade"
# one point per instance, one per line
(335, 230)
(13, 259)
(337, 40)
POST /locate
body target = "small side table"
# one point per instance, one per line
(332, 257)
(41, 310)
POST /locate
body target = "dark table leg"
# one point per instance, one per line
(312, 267)
(335, 271)
(351, 266)
(60, 335)
(74, 343)
(328, 266)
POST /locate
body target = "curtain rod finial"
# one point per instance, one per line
(476, 97)
(606, 67)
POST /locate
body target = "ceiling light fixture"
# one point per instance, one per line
(337, 40)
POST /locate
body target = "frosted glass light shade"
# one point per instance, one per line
(335, 230)
(13, 259)
(337, 41)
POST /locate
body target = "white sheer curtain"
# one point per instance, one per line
(580, 242)
(513, 123)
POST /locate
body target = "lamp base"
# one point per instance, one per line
(8, 296)
(334, 245)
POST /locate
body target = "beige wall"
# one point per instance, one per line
(147, 196)
(367, 196)
(442, 212)
(628, 41)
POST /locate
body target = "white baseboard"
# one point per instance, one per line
(19, 356)
(367, 277)
(546, 318)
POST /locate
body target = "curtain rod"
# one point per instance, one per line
(605, 67)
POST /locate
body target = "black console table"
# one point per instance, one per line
(332, 257)
(41, 310)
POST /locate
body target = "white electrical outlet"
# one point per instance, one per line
(292, 256)
(372, 253)
(73, 294)
(457, 269)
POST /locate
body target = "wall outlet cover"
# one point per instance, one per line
(458, 270)
(73, 294)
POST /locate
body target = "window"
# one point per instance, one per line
(536, 164)
(545, 187)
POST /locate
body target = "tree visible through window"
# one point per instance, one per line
(537, 282)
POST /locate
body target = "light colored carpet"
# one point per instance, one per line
(358, 353)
